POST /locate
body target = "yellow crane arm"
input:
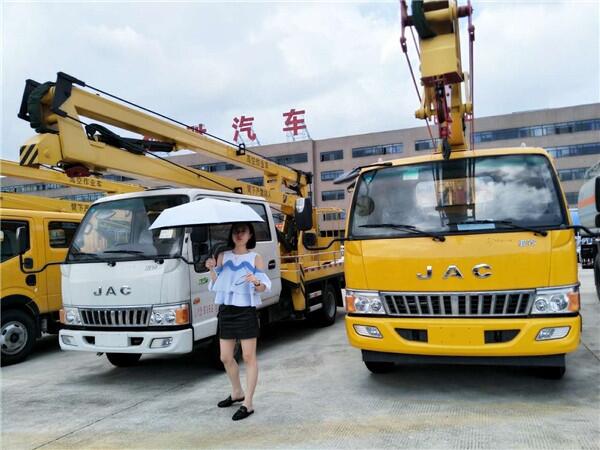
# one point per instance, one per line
(32, 202)
(442, 76)
(12, 169)
(67, 141)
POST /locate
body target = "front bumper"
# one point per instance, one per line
(464, 337)
(126, 341)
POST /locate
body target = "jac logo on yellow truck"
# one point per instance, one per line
(479, 271)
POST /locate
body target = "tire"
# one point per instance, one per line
(597, 275)
(123, 359)
(551, 373)
(379, 367)
(17, 336)
(326, 315)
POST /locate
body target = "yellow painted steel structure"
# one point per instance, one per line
(36, 203)
(13, 169)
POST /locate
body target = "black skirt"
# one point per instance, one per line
(237, 322)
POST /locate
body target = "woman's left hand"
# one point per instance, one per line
(252, 279)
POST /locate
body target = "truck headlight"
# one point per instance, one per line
(170, 315)
(70, 316)
(556, 301)
(363, 302)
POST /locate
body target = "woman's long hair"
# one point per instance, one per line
(251, 242)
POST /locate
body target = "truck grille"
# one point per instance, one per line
(472, 304)
(118, 317)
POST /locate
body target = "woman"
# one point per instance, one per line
(237, 278)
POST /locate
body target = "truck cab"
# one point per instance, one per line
(31, 301)
(469, 259)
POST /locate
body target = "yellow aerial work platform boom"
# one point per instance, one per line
(36, 203)
(60, 113)
(13, 169)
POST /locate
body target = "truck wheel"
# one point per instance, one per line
(551, 373)
(325, 316)
(379, 367)
(17, 336)
(597, 275)
(123, 359)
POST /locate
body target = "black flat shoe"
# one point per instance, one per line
(228, 402)
(242, 413)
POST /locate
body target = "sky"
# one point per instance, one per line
(208, 62)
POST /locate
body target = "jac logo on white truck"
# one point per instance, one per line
(125, 290)
(479, 271)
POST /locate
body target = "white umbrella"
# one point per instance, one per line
(203, 212)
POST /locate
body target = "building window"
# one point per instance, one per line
(332, 195)
(258, 181)
(329, 175)
(341, 215)
(572, 174)
(216, 167)
(117, 178)
(90, 197)
(575, 150)
(537, 131)
(572, 198)
(333, 155)
(31, 187)
(377, 150)
(425, 144)
(296, 158)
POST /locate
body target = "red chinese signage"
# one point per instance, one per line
(243, 125)
(294, 121)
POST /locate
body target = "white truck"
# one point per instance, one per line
(128, 291)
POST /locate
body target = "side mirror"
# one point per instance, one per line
(309, 239)
(303, 214)
(597, 220)
(22, 240)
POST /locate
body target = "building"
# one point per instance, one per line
(571, 135)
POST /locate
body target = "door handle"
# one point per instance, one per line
(272, 264)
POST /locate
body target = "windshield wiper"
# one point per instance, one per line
(131, 252)
(409, 228)
(90, 255)
(506, 223)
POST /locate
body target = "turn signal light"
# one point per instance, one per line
(573, 301)
(350, 303)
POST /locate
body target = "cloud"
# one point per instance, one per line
(210, 62)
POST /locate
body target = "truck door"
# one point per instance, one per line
(14, 281)
(57, 238)
(266, 246)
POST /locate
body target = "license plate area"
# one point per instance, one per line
(112, 340)
(455, 335)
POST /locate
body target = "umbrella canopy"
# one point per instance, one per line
(203, 212)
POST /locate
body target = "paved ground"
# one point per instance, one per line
(314, 392)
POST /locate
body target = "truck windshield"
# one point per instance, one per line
(492, 193)
(118, 229)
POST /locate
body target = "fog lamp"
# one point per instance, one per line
(547, 334)
(161, 342)
(368, 331)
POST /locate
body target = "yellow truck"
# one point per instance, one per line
(461, 256)
(31, 301)
(31, 289)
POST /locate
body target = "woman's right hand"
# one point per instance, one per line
(210, 263)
